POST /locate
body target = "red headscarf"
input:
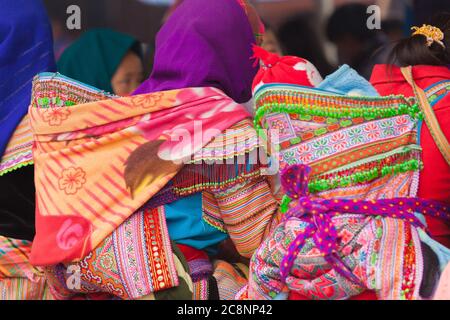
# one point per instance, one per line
(288, 69)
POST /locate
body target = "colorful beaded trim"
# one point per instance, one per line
(296, 102)
(56, 90)
(320, 185)
(18, 166)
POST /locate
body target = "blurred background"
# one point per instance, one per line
(326, 32)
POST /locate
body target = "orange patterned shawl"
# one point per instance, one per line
(96, 163)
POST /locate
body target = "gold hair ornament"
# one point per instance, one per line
(433, 34)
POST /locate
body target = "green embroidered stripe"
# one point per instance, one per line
(360, 177)
(20, 165)
(321, 185)
(370, 113)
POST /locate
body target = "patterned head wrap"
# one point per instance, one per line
(289, 69)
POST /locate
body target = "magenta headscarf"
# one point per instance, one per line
(205, 43)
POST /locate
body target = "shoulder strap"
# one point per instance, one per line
(429, 116)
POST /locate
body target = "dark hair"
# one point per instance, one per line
(349, 20)
(423, 10)
(415, 50)
(298, 37)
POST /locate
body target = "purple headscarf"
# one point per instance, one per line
(204, 43)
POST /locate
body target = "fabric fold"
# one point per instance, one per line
(139, 144)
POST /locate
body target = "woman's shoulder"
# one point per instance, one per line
(385, 73)
(388, 79)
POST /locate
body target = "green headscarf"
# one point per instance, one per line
(95, 57)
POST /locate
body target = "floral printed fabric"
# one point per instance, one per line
(97, 163)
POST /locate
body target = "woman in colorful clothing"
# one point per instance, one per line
(192, 222)
(428, 51)
(181, 150)
(105, 59)
(25, 50)
(350, 219)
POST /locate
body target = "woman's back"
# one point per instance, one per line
(428, 51)
(435, 177)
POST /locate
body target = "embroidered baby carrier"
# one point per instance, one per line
(350, 166)
(357, 147)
